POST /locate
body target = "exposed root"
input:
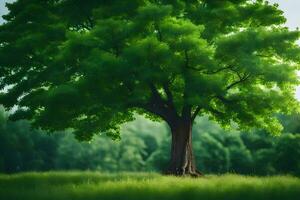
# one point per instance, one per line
(180, 173)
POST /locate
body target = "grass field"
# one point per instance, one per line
(140, 186)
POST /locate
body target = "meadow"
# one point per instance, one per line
(144, 186)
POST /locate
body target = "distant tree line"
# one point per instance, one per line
(147, 149)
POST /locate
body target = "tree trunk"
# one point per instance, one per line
(182, 160)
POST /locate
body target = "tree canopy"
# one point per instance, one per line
(90, 65)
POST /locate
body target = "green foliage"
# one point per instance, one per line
(24, 149)
(264, 161)
(288, 145)
(90, 66)
(212, 156)
(141, 186)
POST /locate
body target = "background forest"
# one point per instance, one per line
(147, 149)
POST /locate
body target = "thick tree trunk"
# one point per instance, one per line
(182, 160)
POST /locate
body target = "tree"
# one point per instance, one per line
(288, 154)
(90, 66)
(24, 149)
(290, 123)
(214, 156)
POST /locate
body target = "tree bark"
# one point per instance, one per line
(182, 159)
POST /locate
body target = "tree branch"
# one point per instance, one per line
(158, 31)
(219, 70)
(168, 93)
(241, 80)
(186, 109)
(216, 111)
(186, 112)
(187, 60)
(194, 115)
(230, 67)
(157, 105)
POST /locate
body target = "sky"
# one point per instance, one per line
(3, 9)
(291, 10)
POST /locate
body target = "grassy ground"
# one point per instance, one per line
(139, 186)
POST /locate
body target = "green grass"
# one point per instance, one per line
(144, 186)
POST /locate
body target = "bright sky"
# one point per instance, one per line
(291, 9)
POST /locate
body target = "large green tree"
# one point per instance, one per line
(91, 65)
